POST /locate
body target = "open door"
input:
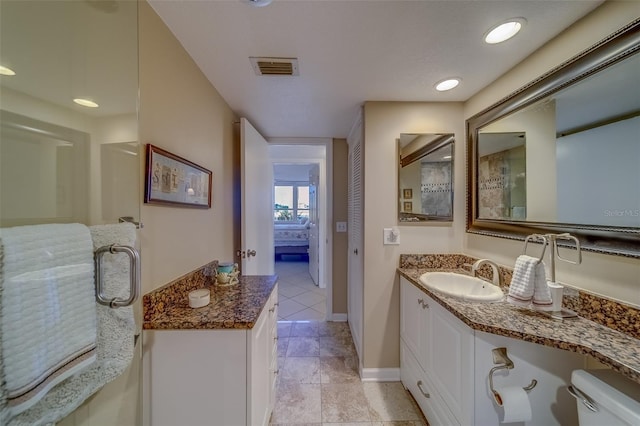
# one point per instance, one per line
(257, 251)
(314, 225)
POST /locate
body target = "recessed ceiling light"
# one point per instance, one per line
(504, 31)
(447, 84)
(86, 103)
(6, 71)
(258, 3)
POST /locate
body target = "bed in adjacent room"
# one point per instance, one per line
(291, 238)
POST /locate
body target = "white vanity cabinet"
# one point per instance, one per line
(213, 376)
(436, 358)
(445, 365)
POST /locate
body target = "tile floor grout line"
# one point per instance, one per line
(295, 274)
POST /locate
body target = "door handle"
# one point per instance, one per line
(251, 253)
(241, 254)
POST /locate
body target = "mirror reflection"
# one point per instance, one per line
(502, 175)
(561, 154)
(425, 177)
(569, 158)
(55, 165)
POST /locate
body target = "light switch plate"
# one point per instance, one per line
(391, 236)
(341, 226)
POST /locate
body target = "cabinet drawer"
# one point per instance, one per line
(414, 379)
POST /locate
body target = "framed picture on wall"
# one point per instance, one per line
(407, 193)
(408, 207)
(174, 181)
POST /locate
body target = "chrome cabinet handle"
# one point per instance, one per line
(426, 394)
(273, 308)
(251, 253)
(423, 303)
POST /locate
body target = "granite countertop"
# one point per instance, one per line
(236, 306)
(613, 348)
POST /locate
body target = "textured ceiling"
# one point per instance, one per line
(353, 51)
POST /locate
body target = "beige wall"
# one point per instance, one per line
(180, 111)
(383, 123)
(613, 276)
(340, 239)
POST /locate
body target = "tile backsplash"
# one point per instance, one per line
(157, 300)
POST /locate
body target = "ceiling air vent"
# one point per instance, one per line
(275, 66)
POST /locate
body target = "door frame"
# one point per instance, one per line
(326, 192)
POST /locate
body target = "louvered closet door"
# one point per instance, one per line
(355, 265)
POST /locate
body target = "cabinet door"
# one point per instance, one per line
(411, 316)
(259, 391)
(450, 360)
(273, 357)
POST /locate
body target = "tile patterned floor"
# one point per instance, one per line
(319, 383)
(299, 297)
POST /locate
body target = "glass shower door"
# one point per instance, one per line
(69, 149)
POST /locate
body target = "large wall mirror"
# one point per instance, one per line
(563, 153)
(61, 161)
(425, 177)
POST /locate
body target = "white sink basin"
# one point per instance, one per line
(463, 287)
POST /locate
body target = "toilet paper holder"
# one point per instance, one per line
(500, 357)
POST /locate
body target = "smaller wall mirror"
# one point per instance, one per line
(425, 177)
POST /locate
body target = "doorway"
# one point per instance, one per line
(302, 237)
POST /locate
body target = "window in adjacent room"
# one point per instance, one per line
(291, 202)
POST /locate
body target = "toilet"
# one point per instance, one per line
(605, 397)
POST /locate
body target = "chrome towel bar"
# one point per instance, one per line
(134, 275)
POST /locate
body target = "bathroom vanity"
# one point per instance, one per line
(445, 365)
(214, 365)
(446, 351)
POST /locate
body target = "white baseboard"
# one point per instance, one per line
(339, 317)
(380, 374)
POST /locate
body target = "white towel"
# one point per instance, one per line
(529, 284)
(48, 310)
(541, 292)
(116, 330)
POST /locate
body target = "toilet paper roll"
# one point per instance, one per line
(516, 404)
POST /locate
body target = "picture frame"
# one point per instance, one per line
(408, 207)
(171, 180)
(407, 193)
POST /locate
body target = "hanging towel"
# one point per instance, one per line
(48, 310)
(116, 330)
(541, 292)
(529, 284)
(3, 388)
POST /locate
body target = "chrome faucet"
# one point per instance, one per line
(497, 276)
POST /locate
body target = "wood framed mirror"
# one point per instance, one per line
(425, 177)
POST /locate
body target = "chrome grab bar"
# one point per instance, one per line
(130, 219)
(134, 275)
(581, 396)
